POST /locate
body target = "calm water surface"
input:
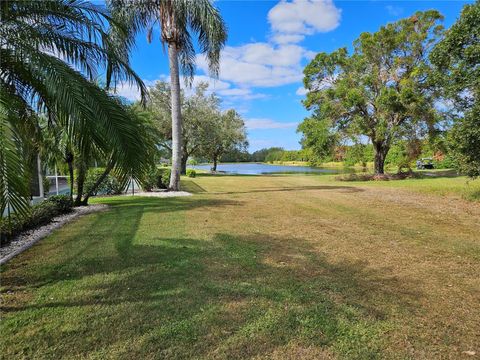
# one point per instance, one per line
(259, 168)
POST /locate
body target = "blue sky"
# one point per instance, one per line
(269, 43)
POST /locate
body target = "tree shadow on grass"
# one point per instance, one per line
(168, 204)
(185, 297)
(192, 187)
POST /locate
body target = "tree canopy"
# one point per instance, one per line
(206, 131)
(380, 91)
(457, 77)
(226, 132)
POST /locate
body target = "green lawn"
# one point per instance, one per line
(277, 267)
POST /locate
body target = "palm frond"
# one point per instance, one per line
(14, 189)
(177, 20)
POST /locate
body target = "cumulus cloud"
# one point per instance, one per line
(129, 91)
(222, 88)
(279, 61)
(287, 38)
(261, 123)
(292, 20)
(260, 64)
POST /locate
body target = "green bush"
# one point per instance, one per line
(447, 163)
(191, 173)
(40, 214)
(165, 177)
(149, 180)
(109, 186)
(63, 203)
(156, 178)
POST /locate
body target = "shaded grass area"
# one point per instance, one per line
(249, 267)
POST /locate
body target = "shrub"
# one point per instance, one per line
(446, 163)
(377, 177)
(165, 177)
(156, 178)
(191, 173)
(109, 186)
(149, 180)
(40, 214)
(63, 202)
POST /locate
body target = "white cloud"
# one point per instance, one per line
(225, 89)
(264, 64)
(222, 88)
(260, 64)
(261, 123)
(287, 38)
(298, 18)
(280, 61)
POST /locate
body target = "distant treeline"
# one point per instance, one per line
(401, 156)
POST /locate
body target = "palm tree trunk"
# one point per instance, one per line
(81, 175)
(98, 182)
(176, 118)
(69, 160)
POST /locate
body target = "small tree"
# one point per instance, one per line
(380, 91)
(227, 132)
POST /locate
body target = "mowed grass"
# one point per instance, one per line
(263, 267)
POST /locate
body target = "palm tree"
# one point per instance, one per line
(50, 55)
(177, 19)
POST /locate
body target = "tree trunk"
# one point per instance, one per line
(82, 172)
(381, 151)
(215, 160)
(34, 176)
(184, 164)
(69, 160)
(98, 182)
(176, 118)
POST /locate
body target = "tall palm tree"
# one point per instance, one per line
(177, 20)
(50, 55)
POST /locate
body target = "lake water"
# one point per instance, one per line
(259, 168)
